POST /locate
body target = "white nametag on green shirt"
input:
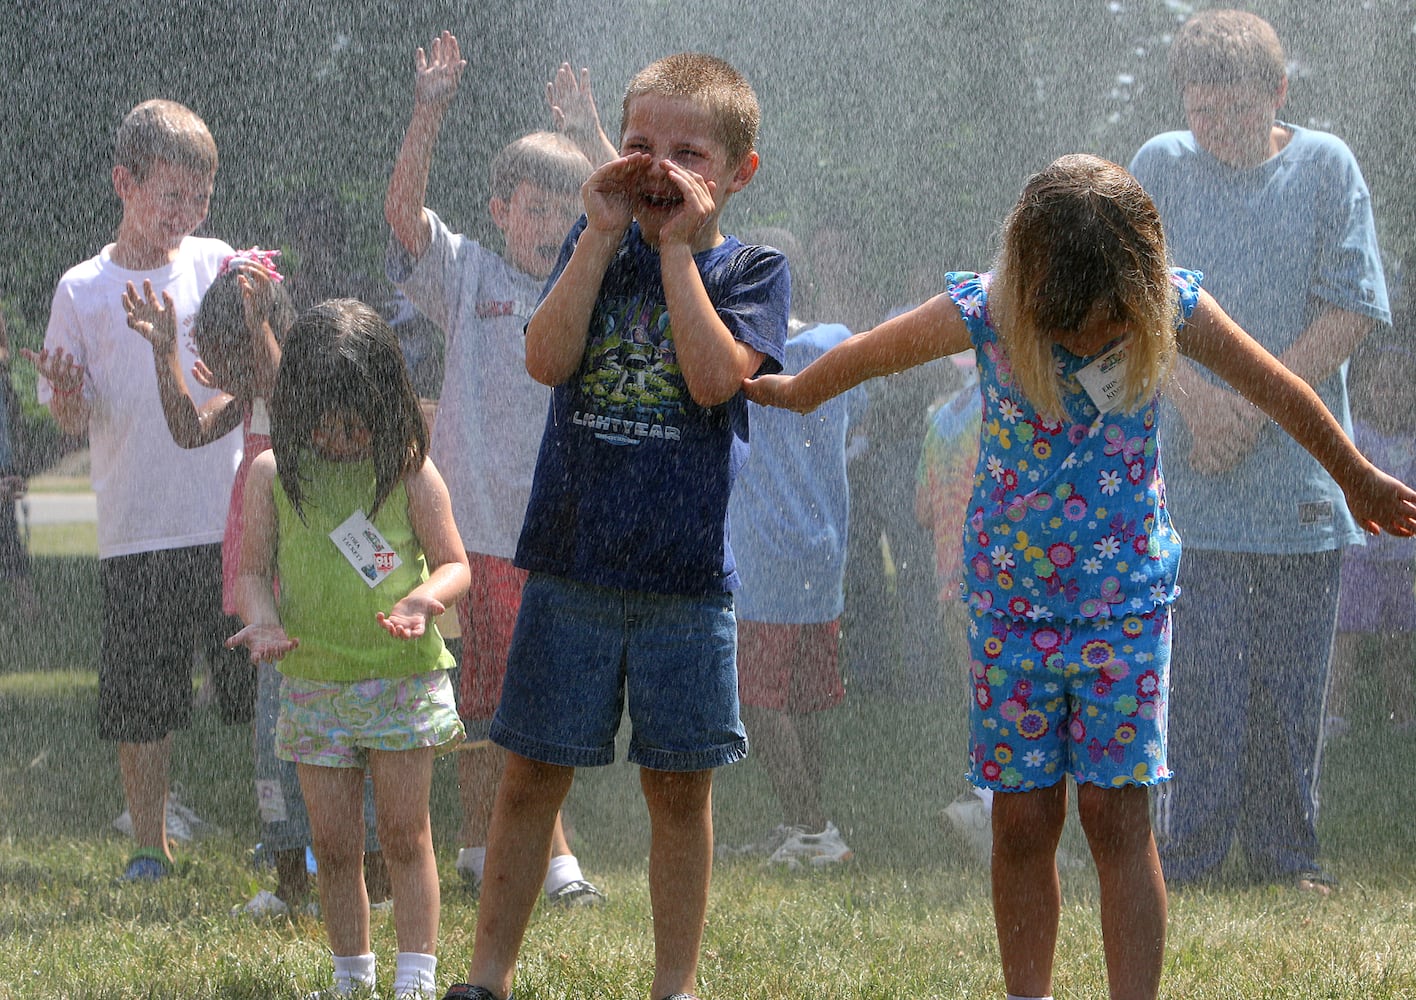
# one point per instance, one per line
(367, 550)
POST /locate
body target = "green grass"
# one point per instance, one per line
(909, 918)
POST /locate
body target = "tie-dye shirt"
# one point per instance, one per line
(1068, 519)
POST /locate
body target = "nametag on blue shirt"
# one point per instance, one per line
(1105, 378)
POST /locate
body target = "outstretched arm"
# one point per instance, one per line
(191, 426)
(68, 405)
(574, 115)
(258, 302)
(263, 635)
(436, 76)
(926, 332)
(1378, 502)
(430, 512)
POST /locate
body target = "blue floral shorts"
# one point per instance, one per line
(1051, 699)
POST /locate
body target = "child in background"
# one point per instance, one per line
(1376, 607)
(788, 518)
(651, 321)
(237, 333)
(14, 560)
(355, 521)
(160, 507)
(1070, 555)
(490, 414)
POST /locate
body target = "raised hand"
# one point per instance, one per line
(154, 320)
(64, 375)
(573, 113)
(438, 72)
(267, 643)
(408, 619)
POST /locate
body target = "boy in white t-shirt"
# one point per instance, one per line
(491, 413)
(161, 509)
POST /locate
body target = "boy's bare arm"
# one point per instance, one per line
(436, 76)
(191, 426)
(929, 331)
(574, 115)
(713, 361)
(557, 332)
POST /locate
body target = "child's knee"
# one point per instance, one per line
(1024, 822)
(1114, 816)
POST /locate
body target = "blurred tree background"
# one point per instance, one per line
(905, 126)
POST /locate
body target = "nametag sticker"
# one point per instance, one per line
(367, 550)
(1104, 379)
(1315, 512)
(270, 801)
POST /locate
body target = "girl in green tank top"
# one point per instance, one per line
(352, 518)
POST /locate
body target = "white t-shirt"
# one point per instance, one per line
(151, 493)
(491, 413)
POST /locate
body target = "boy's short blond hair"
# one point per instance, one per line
(545, 160)
(1225, 47)
(164, 130)
(710, 81)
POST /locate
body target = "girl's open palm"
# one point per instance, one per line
(267, 643)
(154, 320)
(408, 619)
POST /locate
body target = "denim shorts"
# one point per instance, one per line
(336, 724)
(580, 652)
(1057, 698)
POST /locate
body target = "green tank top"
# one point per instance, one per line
(326, 602)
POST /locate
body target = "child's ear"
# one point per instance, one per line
(744, 172)
(500, 210)
(123, 182)
(1282, 95)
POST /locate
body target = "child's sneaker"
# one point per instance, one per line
(765, 847)
(466, 991)
(146, 865)
(576, 893)
(972, 820)
(264, 905)
(816, 849)
(470, 879)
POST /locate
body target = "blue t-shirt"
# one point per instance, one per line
(632, 479)
(1277, 243)
(1068, 518)
(789, 510)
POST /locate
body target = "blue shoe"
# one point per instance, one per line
(466, 991)
(146, 865)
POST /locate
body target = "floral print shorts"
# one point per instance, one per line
(332, 724)
(1049, 699)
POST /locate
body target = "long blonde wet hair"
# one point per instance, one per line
(1083, 234)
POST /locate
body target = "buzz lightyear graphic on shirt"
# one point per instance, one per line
(631, 388)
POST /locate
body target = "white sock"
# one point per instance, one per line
(473, 858)
(353, 970)
(564, 870)
(416, 974)
(1014, 996)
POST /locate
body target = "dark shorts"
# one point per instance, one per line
(790, 668)
(14, 560)
(581, 653)
(1376, 597)
(159, 610)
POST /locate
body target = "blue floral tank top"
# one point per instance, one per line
(1067, 520)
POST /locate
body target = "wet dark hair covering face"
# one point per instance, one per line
(219, 331)
(341, 357)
